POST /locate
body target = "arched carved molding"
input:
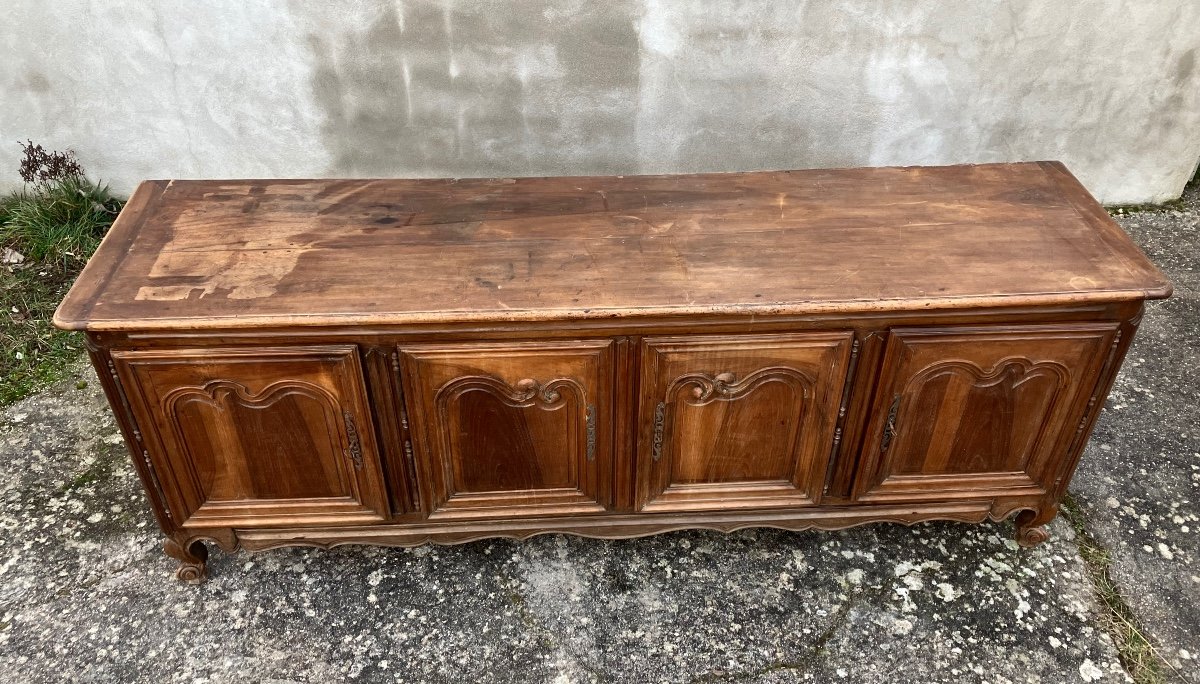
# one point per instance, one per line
(525, 393)
(216, 391)
(1014, 369)
(707, 388)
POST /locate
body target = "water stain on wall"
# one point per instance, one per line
(1185, 67)
(489, 88)
(36, 82)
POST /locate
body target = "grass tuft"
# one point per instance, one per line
(58, 223)
(47, 232)
(1138, 654)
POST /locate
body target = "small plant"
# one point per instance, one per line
(40, 166)
(47, 232)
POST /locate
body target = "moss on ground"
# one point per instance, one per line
(1136, 648)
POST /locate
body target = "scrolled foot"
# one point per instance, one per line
(1030, 526)
(1031, 536)
(192, 557)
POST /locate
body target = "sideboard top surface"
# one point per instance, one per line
(266, 253)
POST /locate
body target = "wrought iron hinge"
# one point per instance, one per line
(889, 430)
(590, 420)
(355, 450)
(835, 449)
(414, 495)
(660, 418)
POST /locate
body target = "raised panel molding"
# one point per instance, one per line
(707, 388)
(559, 394)
(757, 451)
(224, 474)
(1008, 374)
(542, 448)
(215, 395)
(985, 419)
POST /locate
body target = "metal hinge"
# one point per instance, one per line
(889, 430)
(412, 475)
(660, 418)
(590, 420)
(355, 450)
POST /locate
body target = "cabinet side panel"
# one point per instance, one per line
(134, 441)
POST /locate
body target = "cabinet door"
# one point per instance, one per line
(257, 437)
(980, 411)
(502, 430)
(738, 422)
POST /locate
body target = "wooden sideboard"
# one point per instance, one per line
(320, 362)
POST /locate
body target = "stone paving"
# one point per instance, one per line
(86, 594)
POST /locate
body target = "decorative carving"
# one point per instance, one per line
(843, 407)
(355, 450)
(217, 391)
(192, 553)
(1031, 536)
(140, 445)
(526, 392)
(850, 367)
(590, 418)
(707, 388)
(660, 418)
(1137, 318)
(166, 510)
(1112, 352)
(1100, 391)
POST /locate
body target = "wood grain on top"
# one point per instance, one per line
(226, 254)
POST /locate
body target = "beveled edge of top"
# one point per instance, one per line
(74, 311)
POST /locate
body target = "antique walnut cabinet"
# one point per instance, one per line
(397, 362)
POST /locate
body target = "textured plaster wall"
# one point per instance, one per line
(455, 88)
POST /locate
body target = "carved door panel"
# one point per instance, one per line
(511, 429)
(738, 422)
(258, 437)
(985, 411)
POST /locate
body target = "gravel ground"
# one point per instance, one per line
(87, 595)
(1139, 480)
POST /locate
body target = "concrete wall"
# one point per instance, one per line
(516, 87)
